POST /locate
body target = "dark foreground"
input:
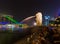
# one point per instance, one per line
(32, 35)
(9, 37)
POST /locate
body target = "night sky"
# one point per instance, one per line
(25, 8)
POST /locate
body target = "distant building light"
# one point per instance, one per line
(57, 20)
(4, 23)
(55, 24)
(53, 18)
(58, 24)
(47, 17)
(10, 26)
(52, 24)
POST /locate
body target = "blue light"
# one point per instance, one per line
(59, 14)
(3, 23)
(47, 17)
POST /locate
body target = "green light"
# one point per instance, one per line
(11, 19)
(14, 21)
(21, 25)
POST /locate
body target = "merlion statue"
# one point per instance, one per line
(39, 19)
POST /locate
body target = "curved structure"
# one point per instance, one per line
(11, 19)
(7, 18)
(29, 20)
(33, 20)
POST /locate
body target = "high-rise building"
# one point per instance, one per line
(47, 18)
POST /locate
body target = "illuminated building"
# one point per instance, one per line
(57, 21)
(52, 23)
(47, 19)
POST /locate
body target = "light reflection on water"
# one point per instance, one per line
(11, 29)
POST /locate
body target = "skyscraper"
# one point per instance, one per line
(47, 18)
